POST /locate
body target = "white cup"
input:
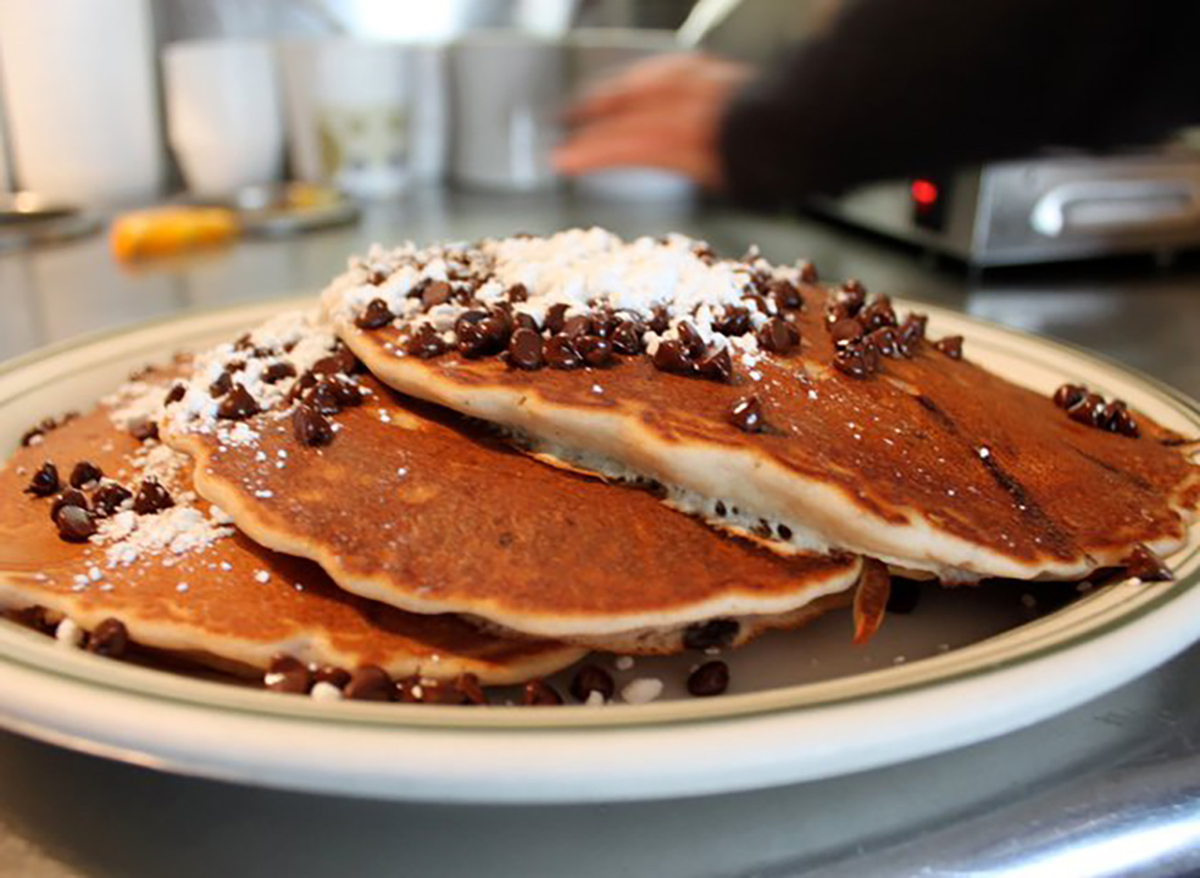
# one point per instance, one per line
(507, 94)
(79, 88)
(224, 118)
(349, 113)
(598, 54)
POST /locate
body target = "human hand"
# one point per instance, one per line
(664, 112)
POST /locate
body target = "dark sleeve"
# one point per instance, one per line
(899, 88)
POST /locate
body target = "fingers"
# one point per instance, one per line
(646, 80)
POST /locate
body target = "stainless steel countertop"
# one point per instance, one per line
(1111, 788)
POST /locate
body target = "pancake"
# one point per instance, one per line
(915, 455)
(414, 506)
(185, 581)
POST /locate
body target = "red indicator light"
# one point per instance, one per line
(924, 192)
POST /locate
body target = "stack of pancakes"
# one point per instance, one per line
(471, 464)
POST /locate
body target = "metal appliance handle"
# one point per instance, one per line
(1115, 206)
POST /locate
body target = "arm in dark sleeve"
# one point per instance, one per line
(900, 88)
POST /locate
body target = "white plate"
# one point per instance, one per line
(966, 666)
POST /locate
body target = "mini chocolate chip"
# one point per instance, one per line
(376, 315)
(808, 273)
(904, 596)
(376, 276)
(735, 321)
(235, 366)
(690, 338)
(109, 498)
(144, 431)
(627, 338)
(778, 336)
(1087, 410)
(854, 287)
(85, 472)
(44, 482)
(951, 346)
(435, 293)
(540, 694)
(911, 334)
(152, 498)
(339, 362)
(673, 356)
(222, 385)
(176, 393)
(856, 360)
(845, 331)
(716, 365)
(577, 326)
(713, 633)
(525, 350)
(310, 427)
(369, 683)
(850, 299)
(110, 639)
(75, 525)
(659, 320)
(69, 497)
(425, 343)
(288, 674)
(244, 342)
(517, 293)
(785, 295)
(720, 508)
(1069, 395)
(349, 394)
(324, 398)
(589, 679)
(785, 532)
(276, 372)
(711, 678)
(1147, 566)
(521, 320)
(560, 353)
(836, 312)
(747, 415)
(878, 314)
(884, 341)
(332, 675)
(29, 435)
(1124, 423)
(468, 686)
(596, 351)
(476, 338)
(238, 405)
(556, 316)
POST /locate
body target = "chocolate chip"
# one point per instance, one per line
(856, 360)
(478, 336)
(349, 394)
(714, 633)
(376, 315)
(376, 276)
(144, 431)
(310, 427)
(109, 498)
(540, 694)
(808, 273)
(785, 295)
(577, 326)
(69, 497)
(627, 338)
(238, 405)
(951, 346)
(778, 336)
(560, 353)
(110, 639)
(690, 338)
(1147, 566)
(85, 472)
(369, 683)
(332, 675)
(747, 415)
(734, 321)
(29, 435)
(720, 508)
(244, 342)
(222, 385)
(324, 398)
(75, 525)
(878, 314)
(1069, 395)
(525, 350)
(716, 365)
(592, 678)
(521, 320)
(340, 362)
(288, 674)
(673, 356)
(468, 686)
(884, 341)
(711, 678)
(556, 316)
(436, 293)
(904, 596)
(659, 320)
(1087, 410)
(176, 393)
(845, 331)
(596, 351)
(759, 303)
(44, 482)
(911, 334)
(517, 293)
(151, 498)
(1123, 422)
(425, 343)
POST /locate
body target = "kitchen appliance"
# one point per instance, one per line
(1045, 209)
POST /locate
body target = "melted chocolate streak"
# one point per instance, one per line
(1058, 540)
(1132, 478)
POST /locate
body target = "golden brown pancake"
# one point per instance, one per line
(411, 505)
(932, 464)
(228, 600)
